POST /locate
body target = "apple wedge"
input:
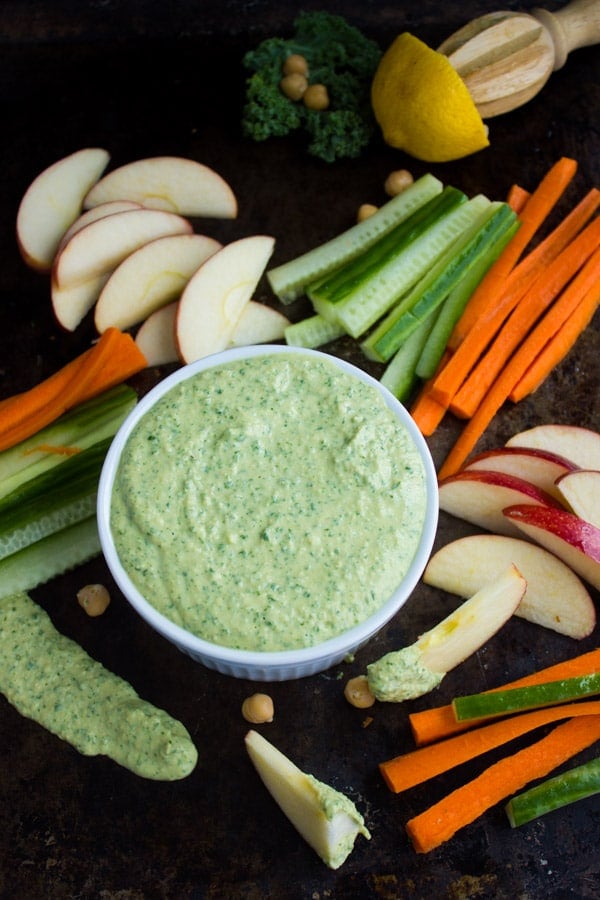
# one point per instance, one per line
(82, 268)
(579, 445)
(215, 296)
(171, 183)
(156, 336)
(99, 247)
(91, 215)
(258, 324)
(554, 598)
(150, 277)
(327, 820)
(71, 304)
(581, 491)
(479, 496)
(415, 670)
(538, 467)
(563, 533)
(53, 201)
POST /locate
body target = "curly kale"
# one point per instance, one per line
(338, 56)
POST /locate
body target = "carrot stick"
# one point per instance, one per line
(439, 722)
(531, 306)
(521, 279)
(461, 807)
(426, 411)
(586, 280)
(558, 346)
(417, 766)
(517, 197)
(534, 213)
(110, 361)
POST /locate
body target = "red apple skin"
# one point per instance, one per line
(539, 467)
(564, 524)
(580, 445)
(479, 496)
(574, 540)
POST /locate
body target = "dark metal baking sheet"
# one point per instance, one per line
(143, 78)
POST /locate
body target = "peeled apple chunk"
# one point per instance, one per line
(53, 201)
(555, 597)
(172, 183)
(326, 818)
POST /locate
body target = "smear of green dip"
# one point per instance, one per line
(51, 679)
(401, 675)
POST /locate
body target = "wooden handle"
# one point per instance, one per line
(576, 25)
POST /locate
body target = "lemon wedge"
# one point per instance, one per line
(423, 106)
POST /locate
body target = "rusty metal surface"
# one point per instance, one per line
(143, 79)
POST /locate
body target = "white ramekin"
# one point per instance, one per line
(264, 666)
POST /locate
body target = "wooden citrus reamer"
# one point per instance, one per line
(505, 58)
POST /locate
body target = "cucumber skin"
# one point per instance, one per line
(511, 700)
(385, 341)
(455, 304)
(290, 280)
(54, 555)
(361, 309)
(554, 793)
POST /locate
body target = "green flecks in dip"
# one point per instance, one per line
(51, 679)
(269, 503)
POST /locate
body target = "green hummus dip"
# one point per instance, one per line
(268, 504)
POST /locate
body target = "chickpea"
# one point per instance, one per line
(357, 692)
(294, 86)
(295, 63)
(316, 97)
(94, 599)
(365, 211)
(258, 709)
(397, 181)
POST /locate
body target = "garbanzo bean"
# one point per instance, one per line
(294, 86)
(357, 692)
(295, 63)
(258, 709)
(365, 211)
(397, 181)
(316, 97)
(94, 599)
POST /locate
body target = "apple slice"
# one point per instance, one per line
(170, 183)
(99, 247)
(258, 324)
(150, 277)
(156, 336)
(71, 304)
(539, 467)
(91, 215)
(327, 820)
(415, 670)
(555, 597)
(215, 296)
(563, 533)
(53, 201)
(579, 445)
(479, 496)
(581, 490)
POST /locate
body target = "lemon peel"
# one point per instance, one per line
(423, 106)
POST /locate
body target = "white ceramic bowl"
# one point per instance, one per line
(264, 666)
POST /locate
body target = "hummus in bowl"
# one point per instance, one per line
(268, 510)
